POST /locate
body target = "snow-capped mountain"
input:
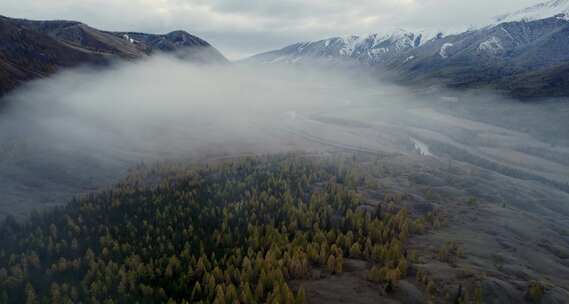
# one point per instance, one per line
(503, 56)
(371, 49)
(525, 53)
(552, 8)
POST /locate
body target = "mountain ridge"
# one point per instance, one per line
(371, 48)
(34, 49)
(524, 58)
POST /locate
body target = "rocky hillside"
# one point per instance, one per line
(34, 49)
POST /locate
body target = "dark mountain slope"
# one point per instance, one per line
(519, 57)
(82, 36)
(35, 49)
(550, 82)
(27, 54)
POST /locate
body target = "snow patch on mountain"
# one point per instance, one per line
(379, 51)
(493, 46)
(350, 44)
(551, 8)
(303, 45)
(127, 38)
(444, 50)
(376, 44)
(409, 59)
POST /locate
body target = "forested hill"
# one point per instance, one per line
(235, 232)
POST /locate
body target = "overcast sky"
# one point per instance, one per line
(244, 27)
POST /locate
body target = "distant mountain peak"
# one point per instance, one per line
(544, 10)
(371, 48)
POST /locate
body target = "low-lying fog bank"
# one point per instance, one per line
(81, 129)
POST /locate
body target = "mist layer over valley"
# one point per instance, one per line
(83, 130)
(82, 127)
(79, 129)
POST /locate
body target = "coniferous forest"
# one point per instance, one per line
(229, 232)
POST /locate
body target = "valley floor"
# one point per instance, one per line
(504, 187)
